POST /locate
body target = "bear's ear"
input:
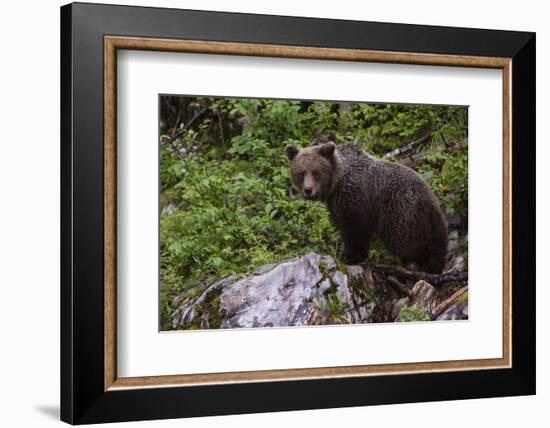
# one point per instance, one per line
(327, 149)
(291, 151)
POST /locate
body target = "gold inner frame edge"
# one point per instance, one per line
(113, 43)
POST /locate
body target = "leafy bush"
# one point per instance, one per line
(227, 201)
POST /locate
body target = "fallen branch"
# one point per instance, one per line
(408, 147)
(399, 286)
(433, 279)
(444, 304)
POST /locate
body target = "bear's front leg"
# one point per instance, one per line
(356, 247)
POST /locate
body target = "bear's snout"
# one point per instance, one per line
(309, 187)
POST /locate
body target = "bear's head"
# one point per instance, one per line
(313, 169)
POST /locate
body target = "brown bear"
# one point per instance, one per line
(369, 198)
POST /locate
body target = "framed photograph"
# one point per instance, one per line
(266, 213)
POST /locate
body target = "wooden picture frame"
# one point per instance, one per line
(91, 390)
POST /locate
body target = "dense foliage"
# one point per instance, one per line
(227, 202)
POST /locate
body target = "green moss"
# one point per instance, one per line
(165, 311)
(334, 307)
(374, 295)
(413, 313)
(359, 286)
(208, 313)
(332, 304)
(323, 268)
(215, 313)
(331, 291)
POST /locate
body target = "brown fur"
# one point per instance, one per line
(369, 198)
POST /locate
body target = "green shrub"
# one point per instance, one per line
(413, 313)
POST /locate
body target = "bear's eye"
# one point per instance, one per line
(315, 173)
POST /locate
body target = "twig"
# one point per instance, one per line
(176, 124)
(188, 124)
(433, 279)
(408, 147)
(400, 287)
(216, 111)
(444, 304)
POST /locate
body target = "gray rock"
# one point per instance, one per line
(456, 255)
(263, 269)
(302, 291)
(328, 262)
(423, 296)
(458, 264)
(308, 290)
(186, 313)
(457, 311)
(452, 242)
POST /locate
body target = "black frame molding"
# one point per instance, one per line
(83, 399)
